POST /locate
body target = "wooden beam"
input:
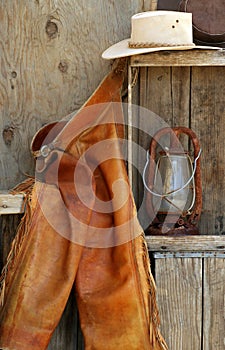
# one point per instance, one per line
(10, 203)
(199, 243)
(180, 58)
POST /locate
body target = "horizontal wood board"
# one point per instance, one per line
(180, 58)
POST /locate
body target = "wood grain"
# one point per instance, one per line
(199, 243)
(11, 204)
(179, 295)
(180, 58)
(207, 119)
(50, 64)
(214, 304)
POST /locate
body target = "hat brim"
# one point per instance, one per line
(121, 49)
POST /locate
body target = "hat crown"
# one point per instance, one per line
(161, 28)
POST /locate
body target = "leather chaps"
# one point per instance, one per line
(80, 232)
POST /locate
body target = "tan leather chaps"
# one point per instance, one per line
(80, 230)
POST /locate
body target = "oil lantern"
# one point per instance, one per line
(173, 183)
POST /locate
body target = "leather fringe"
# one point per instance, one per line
(155, 334)
(25, 188)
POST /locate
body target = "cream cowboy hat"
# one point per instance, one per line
(156, 31)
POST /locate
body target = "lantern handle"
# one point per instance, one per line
(172, 192)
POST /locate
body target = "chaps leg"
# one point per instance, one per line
(115, 289)
(38, 282)
(115, 299)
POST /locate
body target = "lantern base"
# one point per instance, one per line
(158, 229)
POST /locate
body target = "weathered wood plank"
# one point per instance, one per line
(180, 58)
(214, 304)
(8, 225)
(10, 203)
(165, 91)
(155, 92)
(180, 98)
(199, 243)
(50, 64)
(207, 120)
(179, 295)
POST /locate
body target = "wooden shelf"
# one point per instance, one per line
(10, 203)
(193, 57)
(201, 243)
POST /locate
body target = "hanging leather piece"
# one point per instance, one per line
(67, 241)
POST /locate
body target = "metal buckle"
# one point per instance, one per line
(45, 150)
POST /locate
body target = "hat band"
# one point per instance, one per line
(140, 45)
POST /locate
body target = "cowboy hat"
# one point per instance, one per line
(156, 31)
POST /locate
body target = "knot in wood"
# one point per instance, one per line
(51, 29)
(8, 135)
(63, 66)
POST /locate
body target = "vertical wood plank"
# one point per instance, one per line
(180, 94)
(214, 304)
(207, 120)
(155, 91)
(179, 295)
(7, 233)
(166, 92)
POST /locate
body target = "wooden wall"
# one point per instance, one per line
(50, 63)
